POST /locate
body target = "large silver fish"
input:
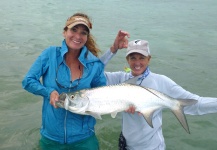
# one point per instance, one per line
(117, 98)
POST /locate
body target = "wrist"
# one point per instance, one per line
(112, 49)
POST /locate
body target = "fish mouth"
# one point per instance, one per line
(62, 97)
(61, 102)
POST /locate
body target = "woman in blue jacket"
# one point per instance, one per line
(73, 66)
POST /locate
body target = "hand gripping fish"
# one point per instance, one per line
(117, 98)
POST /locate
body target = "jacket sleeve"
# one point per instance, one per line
(99, 77)
(31, 81)
(205, 105)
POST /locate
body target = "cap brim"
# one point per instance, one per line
(77, 23)
(144, 53)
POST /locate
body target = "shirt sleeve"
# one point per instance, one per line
(112, 77)
(116, 77)
(31, 81)
(205, 105)
(106, 57)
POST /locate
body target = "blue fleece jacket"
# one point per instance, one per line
(58, 124)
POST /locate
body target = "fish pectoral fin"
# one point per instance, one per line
(147, 114)
(93, 114)
(114, 114)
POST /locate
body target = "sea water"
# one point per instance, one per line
(183, 44)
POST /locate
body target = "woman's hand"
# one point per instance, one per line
(54, 97)
(131, 109)
(121, 41)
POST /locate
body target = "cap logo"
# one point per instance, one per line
(138, 46)
(137, 42)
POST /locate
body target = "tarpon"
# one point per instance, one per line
(117, 98)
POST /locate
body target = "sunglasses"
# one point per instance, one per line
(62, 86)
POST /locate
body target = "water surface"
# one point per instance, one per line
(183, 43)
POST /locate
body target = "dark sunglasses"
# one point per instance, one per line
(62, 86)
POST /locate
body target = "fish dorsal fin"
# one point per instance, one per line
(114, 114)
(133, 80)
(95, 115)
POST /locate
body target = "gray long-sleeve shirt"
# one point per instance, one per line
(139, 135)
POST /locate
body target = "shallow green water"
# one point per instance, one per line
(183, 43)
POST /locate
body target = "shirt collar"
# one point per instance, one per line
(144, 74)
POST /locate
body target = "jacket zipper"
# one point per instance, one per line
(65, 140)
(65, 121)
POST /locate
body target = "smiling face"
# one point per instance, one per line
(138, 63)
(76, 37)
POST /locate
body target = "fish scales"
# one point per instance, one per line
(117, 98)
(110, 98)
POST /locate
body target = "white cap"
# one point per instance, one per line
(138, 46)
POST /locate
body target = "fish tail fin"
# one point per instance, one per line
(179, 113)
(187, 102)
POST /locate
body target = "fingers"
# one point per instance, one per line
(121, 41)
(123, 33)
(54, 96)
(139, 113)
(131, 110)
(125, 43)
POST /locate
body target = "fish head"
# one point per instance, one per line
(77, 101)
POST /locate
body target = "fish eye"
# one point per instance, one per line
(72, 96)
